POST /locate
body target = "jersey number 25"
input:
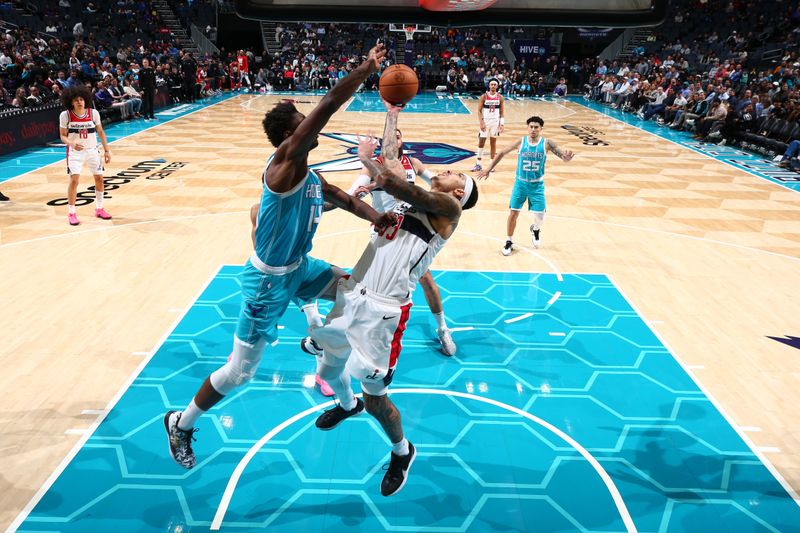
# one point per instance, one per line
(531, 166)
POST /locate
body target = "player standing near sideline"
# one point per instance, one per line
(529, 179)
(80, 126)
(280, 269)
(491, 109)
(363, 332)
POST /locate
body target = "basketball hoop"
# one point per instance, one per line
(410, 29)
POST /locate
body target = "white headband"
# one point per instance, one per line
(469, 184)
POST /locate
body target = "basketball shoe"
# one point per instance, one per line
(311, 347)
(102, 213)
(446, 340)
(180, 441)
(535, 236)
(507, 249)
(72, 218)
(397, 471)
(333, 417)
(476, 168)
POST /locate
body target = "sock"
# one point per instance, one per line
(480, 154)
(538, 220)
(440, 320)
(339, 380)
(510, 238)
(400, 448)
(312, 315)
(98, 195)
(71, 209)
(189, 416)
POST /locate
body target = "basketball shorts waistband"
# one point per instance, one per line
(273, 270)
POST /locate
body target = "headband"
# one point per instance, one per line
(469, 184)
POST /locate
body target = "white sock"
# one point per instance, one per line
(312, 315)
(510, 238)
(440, 322)
(538, 219)
(339, 380)
(98, 198)
(480, 154)
(189, 416)
(71, 209)
(401, 448)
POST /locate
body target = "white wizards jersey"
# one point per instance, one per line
(382, 201)
(491, 107)
(81, 129)
(397, 256)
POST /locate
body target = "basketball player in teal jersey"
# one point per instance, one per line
(279, 270)
(529, 182)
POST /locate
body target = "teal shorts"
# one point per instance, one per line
(265, 297)
(531, 192)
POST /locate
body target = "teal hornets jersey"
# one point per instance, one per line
(287, 221)
(531, 160)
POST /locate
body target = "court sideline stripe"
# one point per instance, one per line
(161, 123)
(696, 151)
(595, 464)
(91, 429)
(728, 418)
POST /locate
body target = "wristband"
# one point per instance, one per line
(427, 176)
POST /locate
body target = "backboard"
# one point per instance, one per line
(461, 13)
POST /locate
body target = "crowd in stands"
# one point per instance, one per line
(715, 83)
(704, 69)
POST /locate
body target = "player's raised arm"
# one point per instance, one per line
(305, 135)
(500, 155)
(564, 155)
(392, 180)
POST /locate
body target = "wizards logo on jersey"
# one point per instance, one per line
(428, 153)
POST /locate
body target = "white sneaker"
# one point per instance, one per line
(509, 246)
(310, 346)
(535, 236)
(448, 346)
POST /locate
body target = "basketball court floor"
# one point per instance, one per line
(636, 373)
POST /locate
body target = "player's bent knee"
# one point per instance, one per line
(240, 368)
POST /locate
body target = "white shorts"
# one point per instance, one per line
(76, 159)
(364, 331)
(492, 129)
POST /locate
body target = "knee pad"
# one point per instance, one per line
(240, 368)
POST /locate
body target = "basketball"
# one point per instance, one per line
(398, 84)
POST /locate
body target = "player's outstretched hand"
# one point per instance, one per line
(483, 174)
(568, 155)
(393, 108)
(375, 56)
(361, 192)
(386, 220)
(367, 145)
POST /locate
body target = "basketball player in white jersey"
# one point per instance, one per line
(363, 332)
(491, 121)
(529, 179)
(383, 203)
(80, 126)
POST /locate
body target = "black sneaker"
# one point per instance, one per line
(509, 246)
(4, 198)
(397, 471)
(310, 346)
(535, 236)
(332, 417)
(180, 442)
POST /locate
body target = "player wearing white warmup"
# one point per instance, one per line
(384, 202)
(363, 332)
(80, 126)
(491, 121)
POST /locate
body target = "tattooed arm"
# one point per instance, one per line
(393, 181)
(565, 155)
